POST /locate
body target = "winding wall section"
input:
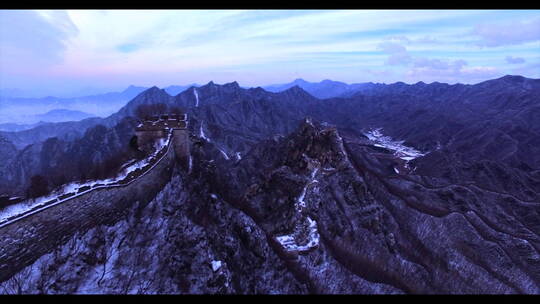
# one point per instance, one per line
(28, 238)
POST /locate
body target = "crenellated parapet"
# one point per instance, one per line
(157, 127)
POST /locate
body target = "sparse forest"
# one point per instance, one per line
(146, 111)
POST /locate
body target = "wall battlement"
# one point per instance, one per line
(157, 127)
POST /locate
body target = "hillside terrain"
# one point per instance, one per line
(422, 188)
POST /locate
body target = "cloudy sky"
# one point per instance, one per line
(68, 51)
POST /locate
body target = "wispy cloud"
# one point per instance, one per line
(514, 60)
(117, 47)
(29, 38)
(398, 54)
(508, 33)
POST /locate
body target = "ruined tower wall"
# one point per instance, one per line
(145, 137)
(181, 145)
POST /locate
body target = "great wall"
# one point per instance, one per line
(30, 235)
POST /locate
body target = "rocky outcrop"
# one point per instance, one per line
(380, 232)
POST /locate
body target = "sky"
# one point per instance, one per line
(74, 51)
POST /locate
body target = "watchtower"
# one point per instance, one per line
(157, 127)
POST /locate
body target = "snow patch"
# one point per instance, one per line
(201, 133)
(290, 243)
(196, 97)
(216, 265)
(300, 202)
(401, 151)
(224, 154)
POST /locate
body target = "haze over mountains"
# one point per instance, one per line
(19, 93)
(324, 89)
(25, 111)
(55, 115)
(22, 113)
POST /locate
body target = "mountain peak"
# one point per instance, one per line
(257, 89)
(297, 91)
(295, 88)
(154, 91)
(513, 78)
(233, 84)
(299, 80)
(133, 89)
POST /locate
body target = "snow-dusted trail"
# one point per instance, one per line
(24, 209)
(290, 241)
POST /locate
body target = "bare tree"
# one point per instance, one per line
(176, 110)
(146, 111)
(159, 108)
(143, 112)
(38, 186)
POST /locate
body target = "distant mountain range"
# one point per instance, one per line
(13, 127)
(53, 116)
(27, 111)
(30, 93)
(59, 115)
(212, 93)
(56, 115)
(324, 89)
(174, 90)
